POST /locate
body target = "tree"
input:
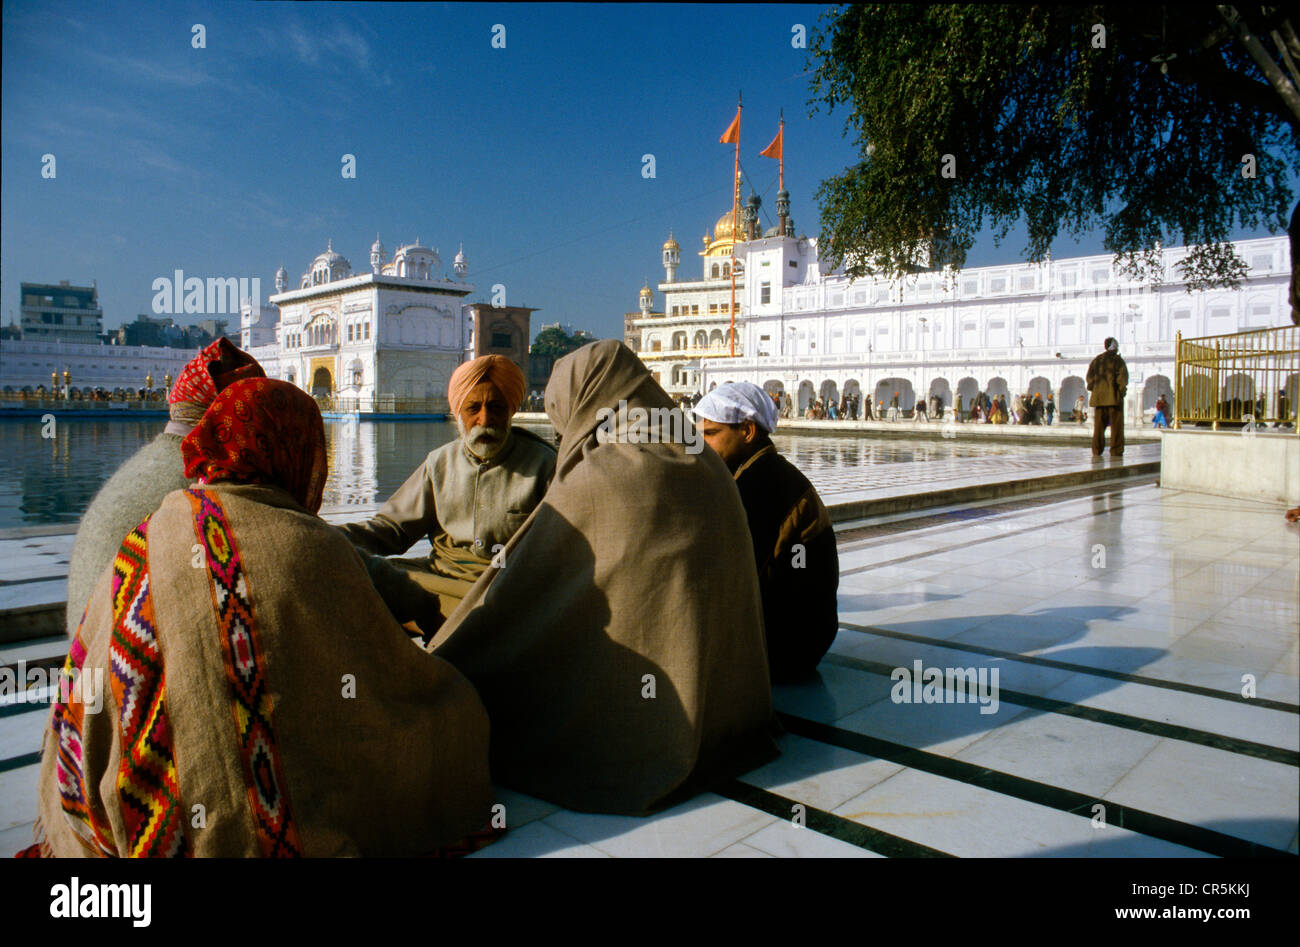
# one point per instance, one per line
(1156, 126)
(555, 342)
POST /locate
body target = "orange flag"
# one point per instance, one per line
(732, 135)
(774, 150)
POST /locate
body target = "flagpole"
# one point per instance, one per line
(735, 202)
(781, 132)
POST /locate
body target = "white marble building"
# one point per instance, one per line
(696, 318)
(1002, 329)
(27, 364)
(396, 332)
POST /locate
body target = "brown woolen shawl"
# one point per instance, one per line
(399, 768)
(637, 562)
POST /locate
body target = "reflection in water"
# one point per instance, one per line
(52, 480)
(370, 460)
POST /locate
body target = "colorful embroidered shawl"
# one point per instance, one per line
(259, 699)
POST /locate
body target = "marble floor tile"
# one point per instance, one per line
(1238, 795)
(538, 840)
(1213, 715)
(785, 840)
(969, 821)
(1060, 750)
(16, 838)
(834, 692)
(18, 796)
(741, 850)
(701, 827)
(818, 774)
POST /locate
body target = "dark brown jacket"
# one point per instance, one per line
(1107, 380)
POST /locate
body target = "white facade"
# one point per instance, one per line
(397, 331)
(28, 364)
(696, 317)
(1001, 329)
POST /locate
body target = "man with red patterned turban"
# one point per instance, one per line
(469, 496)
(139, 485)
(212, 652)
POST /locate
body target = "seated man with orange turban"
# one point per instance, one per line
(469, 496)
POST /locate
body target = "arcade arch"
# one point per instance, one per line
(322, 383)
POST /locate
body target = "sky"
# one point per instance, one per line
(226, 160)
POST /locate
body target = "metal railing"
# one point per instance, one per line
(720, 350)
(83, 402)
(383, 404)
(1242, 378)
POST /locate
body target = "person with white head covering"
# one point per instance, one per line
(794, 544)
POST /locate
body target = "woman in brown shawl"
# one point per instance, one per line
(619, 646)
(257, 697)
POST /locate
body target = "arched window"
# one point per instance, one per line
(726, 269)
(715, 271)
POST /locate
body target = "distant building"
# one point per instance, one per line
(395, 332)
(257, 326)
(631, 331)
(158, 331)
(499, 330)
(163, 332)
(28, 364)
(62, 311)
(211, 328)
(807, 329)
(696, 317)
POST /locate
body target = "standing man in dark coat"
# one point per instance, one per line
(794, 543)
(1108, 381)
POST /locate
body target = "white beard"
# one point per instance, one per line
(479, 448)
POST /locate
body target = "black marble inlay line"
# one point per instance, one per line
(827, 823)
(875, 534)
(56, 577)
(49, 661)
(968, 543)
(18, 762)
(25, 707)
(1197, 689)
(1066, 708)
(1054, 797)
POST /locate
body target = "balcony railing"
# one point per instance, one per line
(382, 404)
(712, 351)
(1239, 379)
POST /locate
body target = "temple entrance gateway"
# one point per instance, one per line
(322, 382)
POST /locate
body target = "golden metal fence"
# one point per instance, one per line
(1250, 377)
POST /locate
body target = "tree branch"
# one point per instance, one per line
(1276, 78)
(1217, 82)
(1286, 57)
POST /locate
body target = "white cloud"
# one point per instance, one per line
(149, 71)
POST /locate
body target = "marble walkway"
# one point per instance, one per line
(1147, 703)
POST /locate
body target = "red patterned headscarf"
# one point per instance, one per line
(261, 430)
(216, 366)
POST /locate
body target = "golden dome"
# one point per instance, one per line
(645, 291)
(670, 243)
(722, 229)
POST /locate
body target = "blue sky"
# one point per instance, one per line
(225, 161)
